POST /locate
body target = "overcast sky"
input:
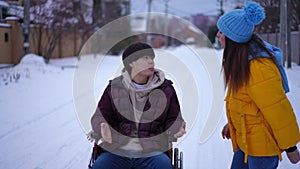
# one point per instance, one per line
(182, 7)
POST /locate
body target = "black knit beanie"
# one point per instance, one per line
(134, 51)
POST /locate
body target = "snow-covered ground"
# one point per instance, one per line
(43, 128)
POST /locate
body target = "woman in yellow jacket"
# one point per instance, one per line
(261, 121)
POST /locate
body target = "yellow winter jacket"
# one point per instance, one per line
(260, 117)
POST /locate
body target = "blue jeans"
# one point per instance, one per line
(109, 160)
(254, 162)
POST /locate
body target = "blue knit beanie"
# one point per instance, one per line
(238, 24)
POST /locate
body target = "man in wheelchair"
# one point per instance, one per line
(137, 115)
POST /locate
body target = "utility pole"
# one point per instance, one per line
(166, 23)
(221, 7)
(299, 44)
(148, 21)
(285, 37)
(26, 26)
(149, 5)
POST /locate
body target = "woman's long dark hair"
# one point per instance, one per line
(236, 64)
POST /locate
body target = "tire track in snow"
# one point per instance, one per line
(37, 118)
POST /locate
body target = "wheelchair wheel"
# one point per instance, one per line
(178, 159)
(181, 160)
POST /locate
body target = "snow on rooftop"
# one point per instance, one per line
(4, 4)
(6, 25)
(11, 18)
(16, 11)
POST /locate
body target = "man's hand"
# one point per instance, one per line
(293, 156)
(181, 131)
(226, 132)
(106, 133)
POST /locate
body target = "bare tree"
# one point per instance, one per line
(84, 25)
(105, 12)
(272, 8)
(97, 11)
(54, 18)
(46, 29)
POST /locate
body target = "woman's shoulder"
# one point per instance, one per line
(263, 69)
(262, 63)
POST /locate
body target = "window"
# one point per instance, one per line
(6, 37)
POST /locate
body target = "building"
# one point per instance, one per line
(74, 35)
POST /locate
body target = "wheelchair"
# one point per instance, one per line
(173, 153)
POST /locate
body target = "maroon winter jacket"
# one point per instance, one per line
(117, 111)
